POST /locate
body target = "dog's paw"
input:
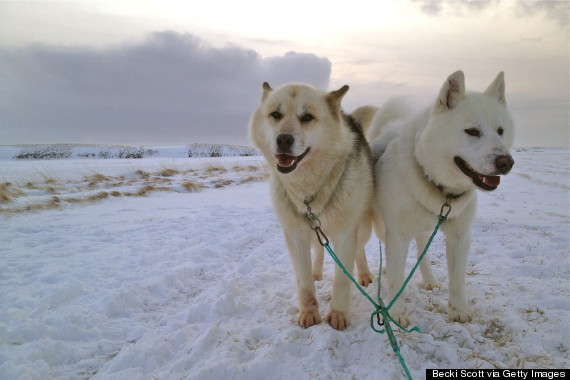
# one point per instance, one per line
(365, 279)
(431, 285)
(402, 319)
(459, 316)
(337, 320)
(308, 318)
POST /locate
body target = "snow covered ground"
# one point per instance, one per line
(194, 281)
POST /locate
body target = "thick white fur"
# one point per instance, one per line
(415, 151)
(334, 172)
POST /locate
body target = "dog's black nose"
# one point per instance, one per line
(504, 164)
(285, 142)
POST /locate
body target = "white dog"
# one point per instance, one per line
(318, 158)
(441, 155)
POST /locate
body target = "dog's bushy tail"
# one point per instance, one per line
(392, 110)
(364, 116)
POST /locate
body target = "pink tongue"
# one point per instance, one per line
(492, 180)
(285, 159)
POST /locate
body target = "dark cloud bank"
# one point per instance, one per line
(171, 89)
(555, 10)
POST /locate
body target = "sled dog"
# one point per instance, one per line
(425, 160)
(318, 157)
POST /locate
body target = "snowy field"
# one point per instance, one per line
(172, 268)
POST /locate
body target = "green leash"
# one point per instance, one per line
(382, 312)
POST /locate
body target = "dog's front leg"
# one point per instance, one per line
(396, 252)
(429, 280)
(365, 278)
(318, 259)
(299, 245)
(345, 247)
(457, 250)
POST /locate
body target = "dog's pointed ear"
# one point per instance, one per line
(496, 90)
(452, 92)
(334, 98)
(338, 94)
(266, 91)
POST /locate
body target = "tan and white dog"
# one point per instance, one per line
(423, 160)
(316, 155)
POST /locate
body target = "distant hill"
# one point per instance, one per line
(81, 151)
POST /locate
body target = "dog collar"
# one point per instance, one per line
(448, 194)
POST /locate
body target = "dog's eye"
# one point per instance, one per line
(500, 131)
(276, 115)
(473, 132)
(306, 118)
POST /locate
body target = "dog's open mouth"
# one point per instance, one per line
(286, 163)
(484, 182)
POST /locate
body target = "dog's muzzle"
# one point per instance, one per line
(503, 165)
(286, 162)
(284, 142)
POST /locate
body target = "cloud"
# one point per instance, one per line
(170, 88)
(457, 8)
(557, 11)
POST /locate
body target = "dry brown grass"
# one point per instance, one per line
(254, 178)
(8, 192)
(117, 184)
(497, 332)
(534, 314)
(192, 186)
(472, 272)
(145, 190)
(524, 175)
(215, 169)
(97, 197)
(54, 203)
(169, 172)
(155, 180)
(222, 183)
(95, 180)
(5, 192)
(247, 168)
(74, 200)
(142, 174)
(92, 198)
(81, 191)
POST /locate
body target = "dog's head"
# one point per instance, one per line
(470, 133)
(293, 122)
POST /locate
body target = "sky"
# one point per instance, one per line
(177, 72)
